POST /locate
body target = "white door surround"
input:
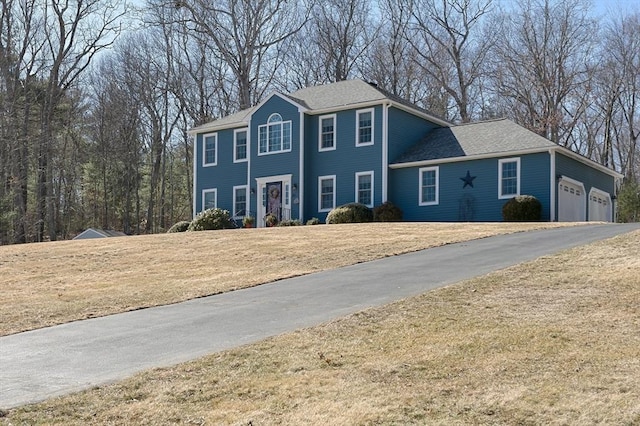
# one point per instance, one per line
(261, 184)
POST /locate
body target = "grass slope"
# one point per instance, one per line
(53, 283)
(553, 341)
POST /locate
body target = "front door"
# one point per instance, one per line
(274, 199)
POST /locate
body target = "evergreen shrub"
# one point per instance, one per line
(313, 221)
(387, 212)
(350, 213)
(181, 226)
(522, 208)
(290, 222)
(212, 219)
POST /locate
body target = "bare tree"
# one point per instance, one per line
(75, 31)
(452, 46)
(246, 35)
(543, 64)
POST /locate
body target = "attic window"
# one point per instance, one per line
(275, 136)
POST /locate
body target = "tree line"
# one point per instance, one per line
(97, 96)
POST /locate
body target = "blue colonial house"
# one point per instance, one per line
(299, 155)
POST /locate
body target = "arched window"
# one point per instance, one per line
(275, 136)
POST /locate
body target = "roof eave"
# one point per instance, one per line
(211, 127)
(587, 161)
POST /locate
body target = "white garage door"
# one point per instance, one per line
(599, 205)
(571, 201)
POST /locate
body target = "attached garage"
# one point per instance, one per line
(572, 201)
(600, 206)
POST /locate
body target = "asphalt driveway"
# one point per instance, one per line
(39, 364)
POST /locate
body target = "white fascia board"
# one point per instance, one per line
(339, 108)
(281, 96)
(468, 158)
(212, 127)
(588, 162)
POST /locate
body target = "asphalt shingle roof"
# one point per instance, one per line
(342, 94)
(486, 137)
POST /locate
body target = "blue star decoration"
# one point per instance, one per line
(468, 180)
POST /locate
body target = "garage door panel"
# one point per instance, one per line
(571, 201)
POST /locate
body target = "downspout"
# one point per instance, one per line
(553, 185)
(301, 171)
(385, 150)
(195, 174)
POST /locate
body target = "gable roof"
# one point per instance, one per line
(324, 98)
(98, 233)
(481, 140)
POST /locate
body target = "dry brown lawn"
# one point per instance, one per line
(53, 283)
(552, 341)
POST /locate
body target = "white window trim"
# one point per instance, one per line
(246, 195)
(437, 200)
(281, 123)
(500, 163)
(373, 133)
(320, 179)
(204, 150)
(235, 145)
(215, 198)
(335, 121)
(368, 173)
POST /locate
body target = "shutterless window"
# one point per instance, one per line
(210, 149)
(275, 136)
(240, 143)
(429, 182)
(364, 129)
(327, 137)
(326, 193)
(209, 199)
(509, 178)
(364, 188)
(239, 201)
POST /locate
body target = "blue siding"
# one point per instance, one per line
(344, 162)
(224, 176)
(589, 176)
(278, 163)
(405, 130)
(477, 204)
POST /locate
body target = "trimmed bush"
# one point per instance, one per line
(387, 212)
(350, 213)
(181, 226)
(313, 221)
(289, 222)
(212, 219)
(522, 208)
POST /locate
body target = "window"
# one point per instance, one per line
(209, 199)
(326, 193)
(364, 188)
(429, 186)
(210, 149)
(240, 146)
(364, 127)
(327, 130)
(275, 136)
(508, 177)
(239, 201)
